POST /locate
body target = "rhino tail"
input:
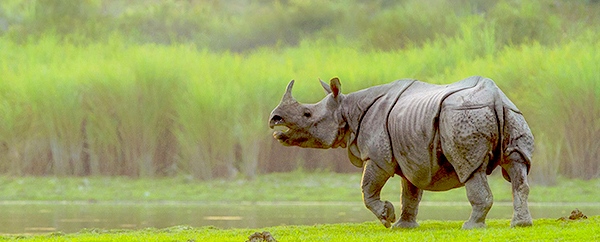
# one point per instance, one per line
(496, 156)
(501, 145)
(514, 134)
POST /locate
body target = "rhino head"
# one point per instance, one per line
(318, 125)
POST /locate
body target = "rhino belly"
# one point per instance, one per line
(432, 174)
(444, 178)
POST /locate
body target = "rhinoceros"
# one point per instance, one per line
(435, 137)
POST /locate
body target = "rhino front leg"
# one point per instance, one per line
(480, 197)
(411, 196)
(517, 171)
(373, 180)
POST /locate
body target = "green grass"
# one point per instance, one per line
(497, 230)
(295, 186)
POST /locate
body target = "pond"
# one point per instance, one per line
(69, 217)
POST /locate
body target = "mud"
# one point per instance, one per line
(260, 237)
(575, 215)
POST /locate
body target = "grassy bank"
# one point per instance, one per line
(497, 230)
(296, 186)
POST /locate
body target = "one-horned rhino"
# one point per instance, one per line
(436, 137)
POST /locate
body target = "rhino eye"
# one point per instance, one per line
(307, 114)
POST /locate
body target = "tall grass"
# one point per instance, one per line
(116, 108)
(185, 87)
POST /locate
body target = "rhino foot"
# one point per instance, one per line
(473, 225)
(388, 215)
(406, 224)
(521, 223)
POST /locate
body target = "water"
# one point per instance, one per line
(46, 217)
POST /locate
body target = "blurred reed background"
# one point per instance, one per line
(165, 88)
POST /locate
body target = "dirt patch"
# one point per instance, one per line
(260, 237)
(575, 215)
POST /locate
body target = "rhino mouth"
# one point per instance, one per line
(282, 129)
(282, 132)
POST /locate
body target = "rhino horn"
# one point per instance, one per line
(287, 96)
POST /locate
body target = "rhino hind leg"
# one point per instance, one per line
(481, 199)
(411, 196)
(516, 169)
(372, 182)
(506, 175)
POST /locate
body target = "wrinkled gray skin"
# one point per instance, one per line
(435, 137)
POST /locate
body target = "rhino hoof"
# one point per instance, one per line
(406, 224)
(522, 223)
(472, 225)
(386, 223)
(388, 216)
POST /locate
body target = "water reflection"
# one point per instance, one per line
(72, 217)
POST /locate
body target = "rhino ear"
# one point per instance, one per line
(336, 86)
(325, 86)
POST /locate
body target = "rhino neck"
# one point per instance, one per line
(377, 101)
(355, 105)
(342, 137)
